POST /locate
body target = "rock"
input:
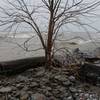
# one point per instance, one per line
(69, 98)
(61, 88)
(46, 92)
(14, 93)
(56, 92)
(5, 89)
(79, 91)
(39, 96)
(72, 78)
(52, 98)
(20, 86)
(61, 78)
(67, 83)
(49, 88)
(65, 95)
(90, 73)
(13, 88)
(40, 72)
(44, 80)
(26, 88)
(21, 78)
(9, 96)
(72, 89)
(24, 97)
(55, 86)
(34, 84)
(86, 95)
(17, 95)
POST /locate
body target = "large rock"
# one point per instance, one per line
(90, 73)
(5, 89)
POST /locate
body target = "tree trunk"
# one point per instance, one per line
(48, 56)
(49, 40)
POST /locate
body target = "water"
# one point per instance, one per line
(9, 50)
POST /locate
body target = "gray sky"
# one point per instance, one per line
(95, 21)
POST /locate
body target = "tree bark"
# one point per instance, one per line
(48, 50)
(48, 56)
(49, 41)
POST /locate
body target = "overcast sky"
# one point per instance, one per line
(93, 21)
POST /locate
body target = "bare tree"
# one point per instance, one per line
(57, 13)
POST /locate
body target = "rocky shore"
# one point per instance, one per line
(42, 84)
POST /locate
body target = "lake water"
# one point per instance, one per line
(9, 50)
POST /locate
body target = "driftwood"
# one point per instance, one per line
(21, 65)
(18, 66)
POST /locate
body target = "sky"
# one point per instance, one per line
(94, 21)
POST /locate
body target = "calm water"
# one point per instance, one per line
(9, 50)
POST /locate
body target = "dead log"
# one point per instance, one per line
(20, 65)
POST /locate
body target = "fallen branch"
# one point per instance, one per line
(18, 66)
